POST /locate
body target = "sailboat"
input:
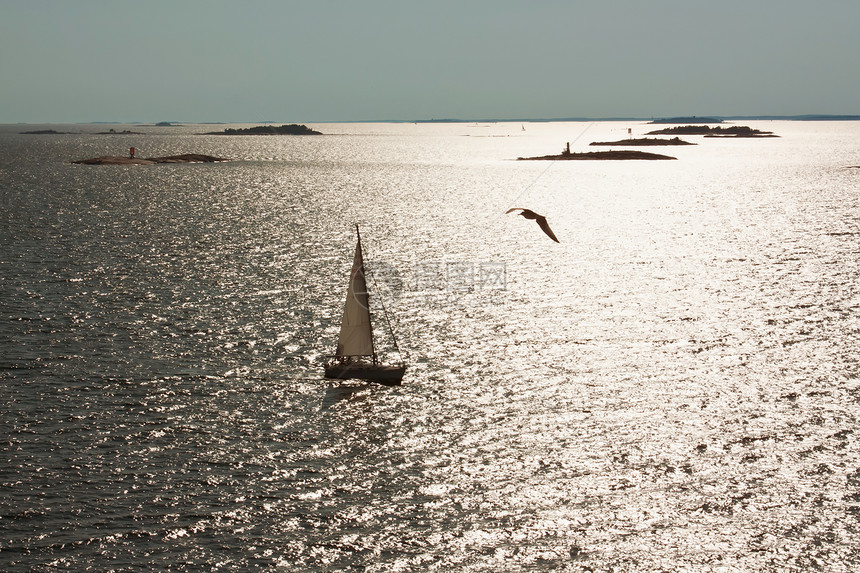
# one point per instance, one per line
(356, 356)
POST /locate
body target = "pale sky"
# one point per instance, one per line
(64, 61)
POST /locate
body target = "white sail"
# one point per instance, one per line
(356, 335)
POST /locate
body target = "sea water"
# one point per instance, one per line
(673, 386)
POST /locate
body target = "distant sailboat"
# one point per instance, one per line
(356, 356)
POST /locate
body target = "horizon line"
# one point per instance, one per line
(796, 117)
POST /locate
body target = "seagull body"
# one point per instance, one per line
(540, 219)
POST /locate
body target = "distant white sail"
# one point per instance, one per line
(356, 335)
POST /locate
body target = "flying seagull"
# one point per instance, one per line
(540, 219)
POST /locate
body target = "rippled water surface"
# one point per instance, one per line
(674, 386)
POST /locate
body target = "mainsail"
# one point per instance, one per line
(356, 335)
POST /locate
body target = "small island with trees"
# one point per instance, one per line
(292, 129)
(717, 131)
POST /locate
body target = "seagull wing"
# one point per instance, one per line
(541, 221)
(527, 213)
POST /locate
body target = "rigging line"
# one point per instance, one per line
(551, 163)
(381, 302)
(385, 314)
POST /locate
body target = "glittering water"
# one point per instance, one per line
(673, 386)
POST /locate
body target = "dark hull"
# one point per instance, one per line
(387, 375)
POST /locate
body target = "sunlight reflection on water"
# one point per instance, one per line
(674, 385)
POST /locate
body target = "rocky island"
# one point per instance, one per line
(292, 129)
(123, 132)
(46, 132)
(689, 119)
(566, 155)
(645, 141)
(55, 132)
(718, 131)
(115, 160)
